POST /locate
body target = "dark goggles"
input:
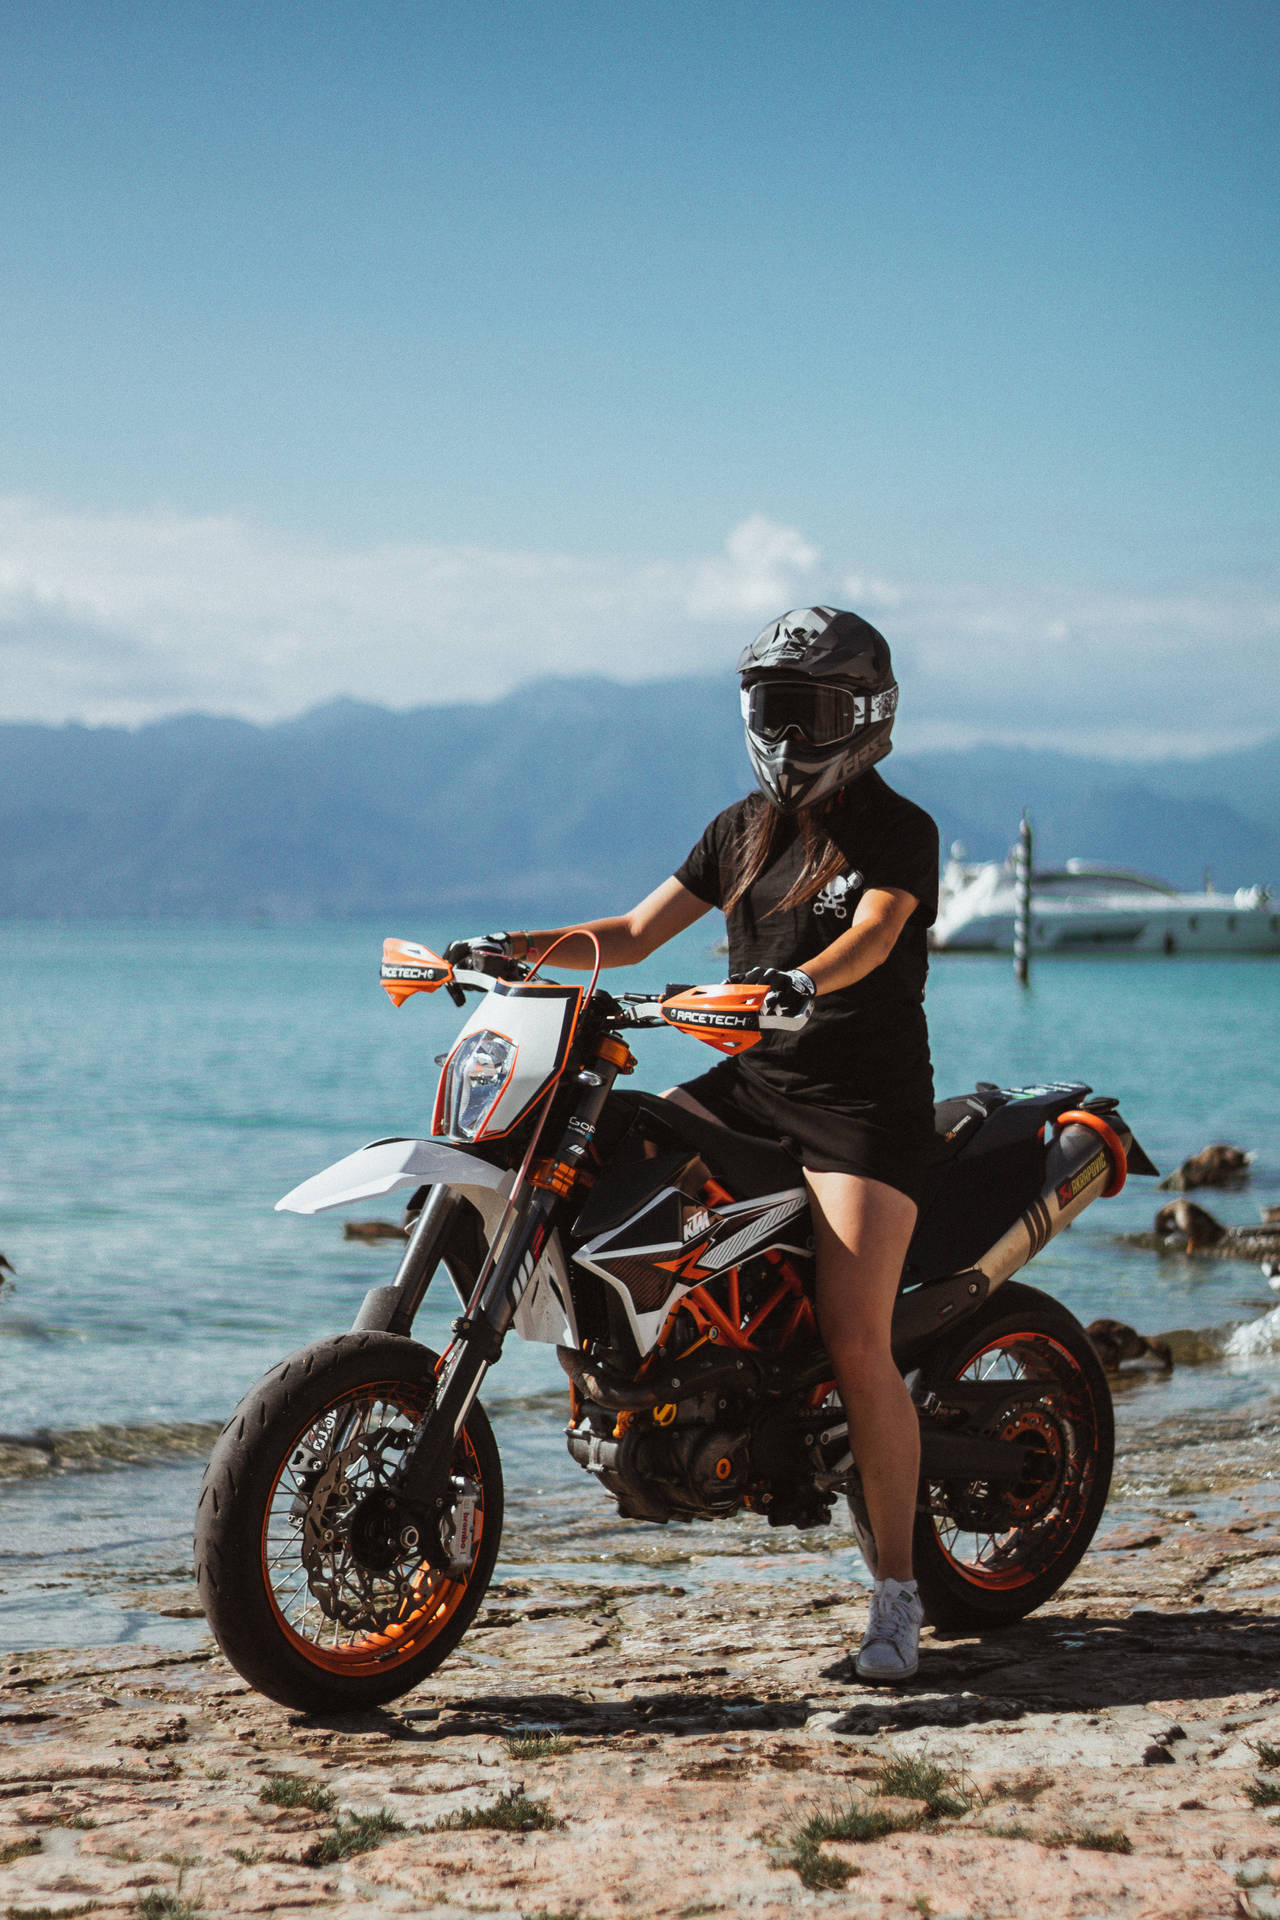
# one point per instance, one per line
(822, 715)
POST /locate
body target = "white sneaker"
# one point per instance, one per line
(890, 1647)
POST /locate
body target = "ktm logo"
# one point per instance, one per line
(697, 1222)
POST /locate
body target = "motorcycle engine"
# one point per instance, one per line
(703, 1459)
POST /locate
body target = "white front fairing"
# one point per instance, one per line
(535, 1020)
(545, 1312)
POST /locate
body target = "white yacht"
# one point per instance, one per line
(1087, 908)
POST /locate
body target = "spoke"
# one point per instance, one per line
(334, 1602)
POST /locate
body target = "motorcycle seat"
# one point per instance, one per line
(955, 1121)
(750, 1166)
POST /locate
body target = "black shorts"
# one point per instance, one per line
(880, 1142)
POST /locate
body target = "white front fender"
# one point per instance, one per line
(545, 1311)
(384, 1165)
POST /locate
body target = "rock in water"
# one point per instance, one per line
(1196, 1225)
(1114, 1342)
(1217, 1166)
(372, 1230)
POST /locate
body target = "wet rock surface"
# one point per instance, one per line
(650, 1752)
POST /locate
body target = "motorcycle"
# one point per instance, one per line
(349, 1518)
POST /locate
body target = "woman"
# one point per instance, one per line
(828, 881)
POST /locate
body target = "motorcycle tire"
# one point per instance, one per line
(984, 1556)
(310, 1602)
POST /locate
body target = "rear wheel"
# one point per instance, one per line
(321, 1592)
(985, 1554)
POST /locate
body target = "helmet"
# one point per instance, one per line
(818, 699)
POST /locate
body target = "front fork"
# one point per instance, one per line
(422, 1480)
(392, 1309)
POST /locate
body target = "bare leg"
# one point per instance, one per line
(861, 1231)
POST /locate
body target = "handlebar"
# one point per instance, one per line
(725, 1016)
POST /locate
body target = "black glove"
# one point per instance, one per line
(458, 951)
(485, 953)
(790, 998)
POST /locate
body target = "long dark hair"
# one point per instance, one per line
(823, 860)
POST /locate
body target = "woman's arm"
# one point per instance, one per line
(625, 938)
(870, 938)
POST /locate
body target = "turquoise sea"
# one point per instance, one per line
(161, 1086)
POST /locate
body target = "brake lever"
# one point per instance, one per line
(455, 993)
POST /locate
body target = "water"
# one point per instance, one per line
(160, 1088)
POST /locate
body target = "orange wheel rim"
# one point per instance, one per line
(1023, 1530)
(403, 1613)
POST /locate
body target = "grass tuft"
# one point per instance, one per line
(817, 1869)
(53, 1913)
(856, 1823)
(941, 1788)
(1263, 1793)
(295, 1790)
(17, 1850)
(1025, 1791)
(354, 1833)
(167, 1906)
(576, 1913)
(1268, 1754)
(1097, 1839)
(537, 1746)
(1010, 1830)
(510, 1813)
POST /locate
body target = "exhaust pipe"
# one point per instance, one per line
(1087, 1160)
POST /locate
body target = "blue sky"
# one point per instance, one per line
(408, 351)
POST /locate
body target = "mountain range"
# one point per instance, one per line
(567, 797)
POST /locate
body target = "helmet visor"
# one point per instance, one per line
(822, 715)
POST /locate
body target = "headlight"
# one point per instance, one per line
(474, 1079)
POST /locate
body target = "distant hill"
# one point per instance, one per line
(569, 796)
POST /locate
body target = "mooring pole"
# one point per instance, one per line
(1022, 907)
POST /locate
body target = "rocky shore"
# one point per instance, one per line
(604, 1750)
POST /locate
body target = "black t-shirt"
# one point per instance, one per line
(864, 1043)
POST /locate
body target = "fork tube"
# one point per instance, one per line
(422, 1476)
(391, 1309)
(423, 1254)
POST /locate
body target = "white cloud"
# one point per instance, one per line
(764, 570)
(123, 617)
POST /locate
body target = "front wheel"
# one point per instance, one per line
(314, 1589)
(986, 1555)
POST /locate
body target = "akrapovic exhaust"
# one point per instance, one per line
(1086, 1160)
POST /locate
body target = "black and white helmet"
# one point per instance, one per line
(818, 699)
